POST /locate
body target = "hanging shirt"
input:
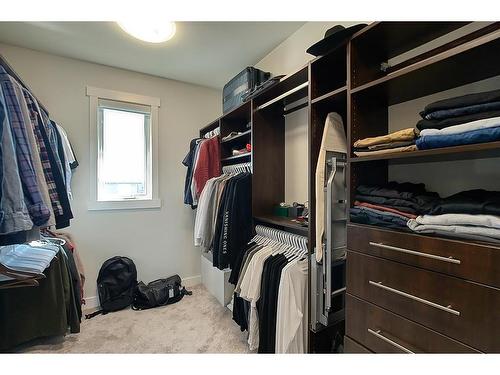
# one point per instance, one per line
(203, 221)
(292, 312)
(53, 173)
(250, 290)
(35, 156)
(69, 157)
(38, 211)
(268, 303)
(189, 161)
(208, 163)
(13, 210)
(192, 186)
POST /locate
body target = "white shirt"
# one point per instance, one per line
(250, 291)
(291, 316)
(203, 220)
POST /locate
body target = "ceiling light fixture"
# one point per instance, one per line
(152, 32)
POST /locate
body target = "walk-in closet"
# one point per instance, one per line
(258, 187)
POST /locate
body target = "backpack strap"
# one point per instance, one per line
(186, 292)
(95, 313)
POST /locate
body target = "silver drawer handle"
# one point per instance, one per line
(393, 343)
(448, 309)
(417, 253)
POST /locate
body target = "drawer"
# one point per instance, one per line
(352, 347)
(471, 261)
(384, 332)
(466, 311)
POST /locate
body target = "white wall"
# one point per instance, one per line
(287, 58)
(159, 240)
(291, 54)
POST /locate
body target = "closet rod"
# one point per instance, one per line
(282, 96)
(13, 73)
(296, 108)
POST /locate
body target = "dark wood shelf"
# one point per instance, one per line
(474, 151)
(284, 222)
(238, 114)
(416, 235)
(236, 137)
(330, 96)
(395, 38)
(285, 84)
(237, 156)
(453, 67)
(213, 125)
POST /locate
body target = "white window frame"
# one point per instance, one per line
(94, 95)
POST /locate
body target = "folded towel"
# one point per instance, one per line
(450, 140)
(400, 135)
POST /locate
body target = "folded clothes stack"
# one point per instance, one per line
(399, 141)
(473, 215)
(391, 205)
(468, 119)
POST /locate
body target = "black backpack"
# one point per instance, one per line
(160, 292)
(116, 284)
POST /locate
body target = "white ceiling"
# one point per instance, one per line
(204, 53)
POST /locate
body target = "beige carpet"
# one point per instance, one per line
(197, 324)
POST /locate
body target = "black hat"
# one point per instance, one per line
(335, 37)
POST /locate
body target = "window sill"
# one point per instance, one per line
(136, 204)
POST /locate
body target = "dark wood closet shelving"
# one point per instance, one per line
(350, 81)
(397, 37)
(245, 134)
(286, 84)
(240, 113)
(423, 236)
(453, 67)
(330, 96)
(454, 43)
(328, 74)
(465, 152)
(213, 125)
(248, 154)
(381, 41)
(421, 266)
(285, 222)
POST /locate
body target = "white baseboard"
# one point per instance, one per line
(93, 302)
(191, 281)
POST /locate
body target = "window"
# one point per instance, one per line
(123, 128)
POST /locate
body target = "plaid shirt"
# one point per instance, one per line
(36, 122)
(38, 211)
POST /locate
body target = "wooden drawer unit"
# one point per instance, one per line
(384, 332)
(475, 262)
(352, 347)
(466, 311)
